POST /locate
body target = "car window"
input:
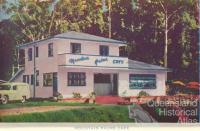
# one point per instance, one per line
(14, 87)
(5, 87)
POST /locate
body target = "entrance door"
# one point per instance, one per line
(102, 84)
(55, 83)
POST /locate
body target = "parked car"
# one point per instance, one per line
(10, 91)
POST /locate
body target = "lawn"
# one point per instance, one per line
(93, 114)
(41, 103)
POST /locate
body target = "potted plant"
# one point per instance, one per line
(57, 96)
(92, 96)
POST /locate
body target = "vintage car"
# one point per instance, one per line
(11, 91)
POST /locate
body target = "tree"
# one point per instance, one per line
(169, 15)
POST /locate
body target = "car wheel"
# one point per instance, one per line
(23, 99)
(4, 100)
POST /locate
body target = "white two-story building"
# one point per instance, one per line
(83, 63)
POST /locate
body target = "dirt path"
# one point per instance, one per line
(22, 110)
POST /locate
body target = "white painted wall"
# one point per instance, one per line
(123, 81)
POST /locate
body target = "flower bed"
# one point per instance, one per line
(78, 100)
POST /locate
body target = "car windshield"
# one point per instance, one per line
(5, 87)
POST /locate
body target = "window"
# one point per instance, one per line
(14, 87)
(32, 79)
(26, 79)
(104, 50)
(5, 87)
(50, 49)
(37, 77)
(36, 51)
(30, 54)
(76, 79)
(48, 79)
(123, 51)
(142, 81)
(75, 48)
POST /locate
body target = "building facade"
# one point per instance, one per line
(75, 62)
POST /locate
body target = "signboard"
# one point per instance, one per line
(96, 61)
(142, 81)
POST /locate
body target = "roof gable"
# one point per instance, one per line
(76, 36)
(87, 37)
(144, 66)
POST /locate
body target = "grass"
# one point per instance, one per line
(41, 103)
(93, 114)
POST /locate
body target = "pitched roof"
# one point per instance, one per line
(77, 36)
(85, 36)
(132, 64)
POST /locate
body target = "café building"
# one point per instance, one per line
(75, 62)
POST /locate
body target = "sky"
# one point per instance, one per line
(3, 15)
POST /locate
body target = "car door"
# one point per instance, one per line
(12, 93)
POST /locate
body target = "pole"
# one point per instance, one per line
(109, 18)
(199, 51)
(34, 72)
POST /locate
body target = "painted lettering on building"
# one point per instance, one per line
(97, 61)
(118, 62)
(82, 58)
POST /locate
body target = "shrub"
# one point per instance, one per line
(76, 95)
(143, 93)
(57, 96)
(92, 95)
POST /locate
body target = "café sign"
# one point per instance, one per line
(101, 61)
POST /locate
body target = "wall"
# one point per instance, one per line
(87, 47)
(67, 91)
(123, 81)
(44, 64)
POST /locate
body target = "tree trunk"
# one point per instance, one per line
(110, 20)
(166, 41)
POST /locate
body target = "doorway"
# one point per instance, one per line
(55, 83)
(105, 84)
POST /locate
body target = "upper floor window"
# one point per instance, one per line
(36, 51)
(104, 50)
(50, 49)
(75, 48)
(30, 54)
(123, 52)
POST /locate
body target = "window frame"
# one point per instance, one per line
(36, 51)
(50, 50)
(45, 84)
(32, 79)
(76, 78)
(74, 47)
(151, 77)
(37, 78)
(106, 49)
(30, 54)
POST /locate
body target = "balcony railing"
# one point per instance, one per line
(92, 60)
